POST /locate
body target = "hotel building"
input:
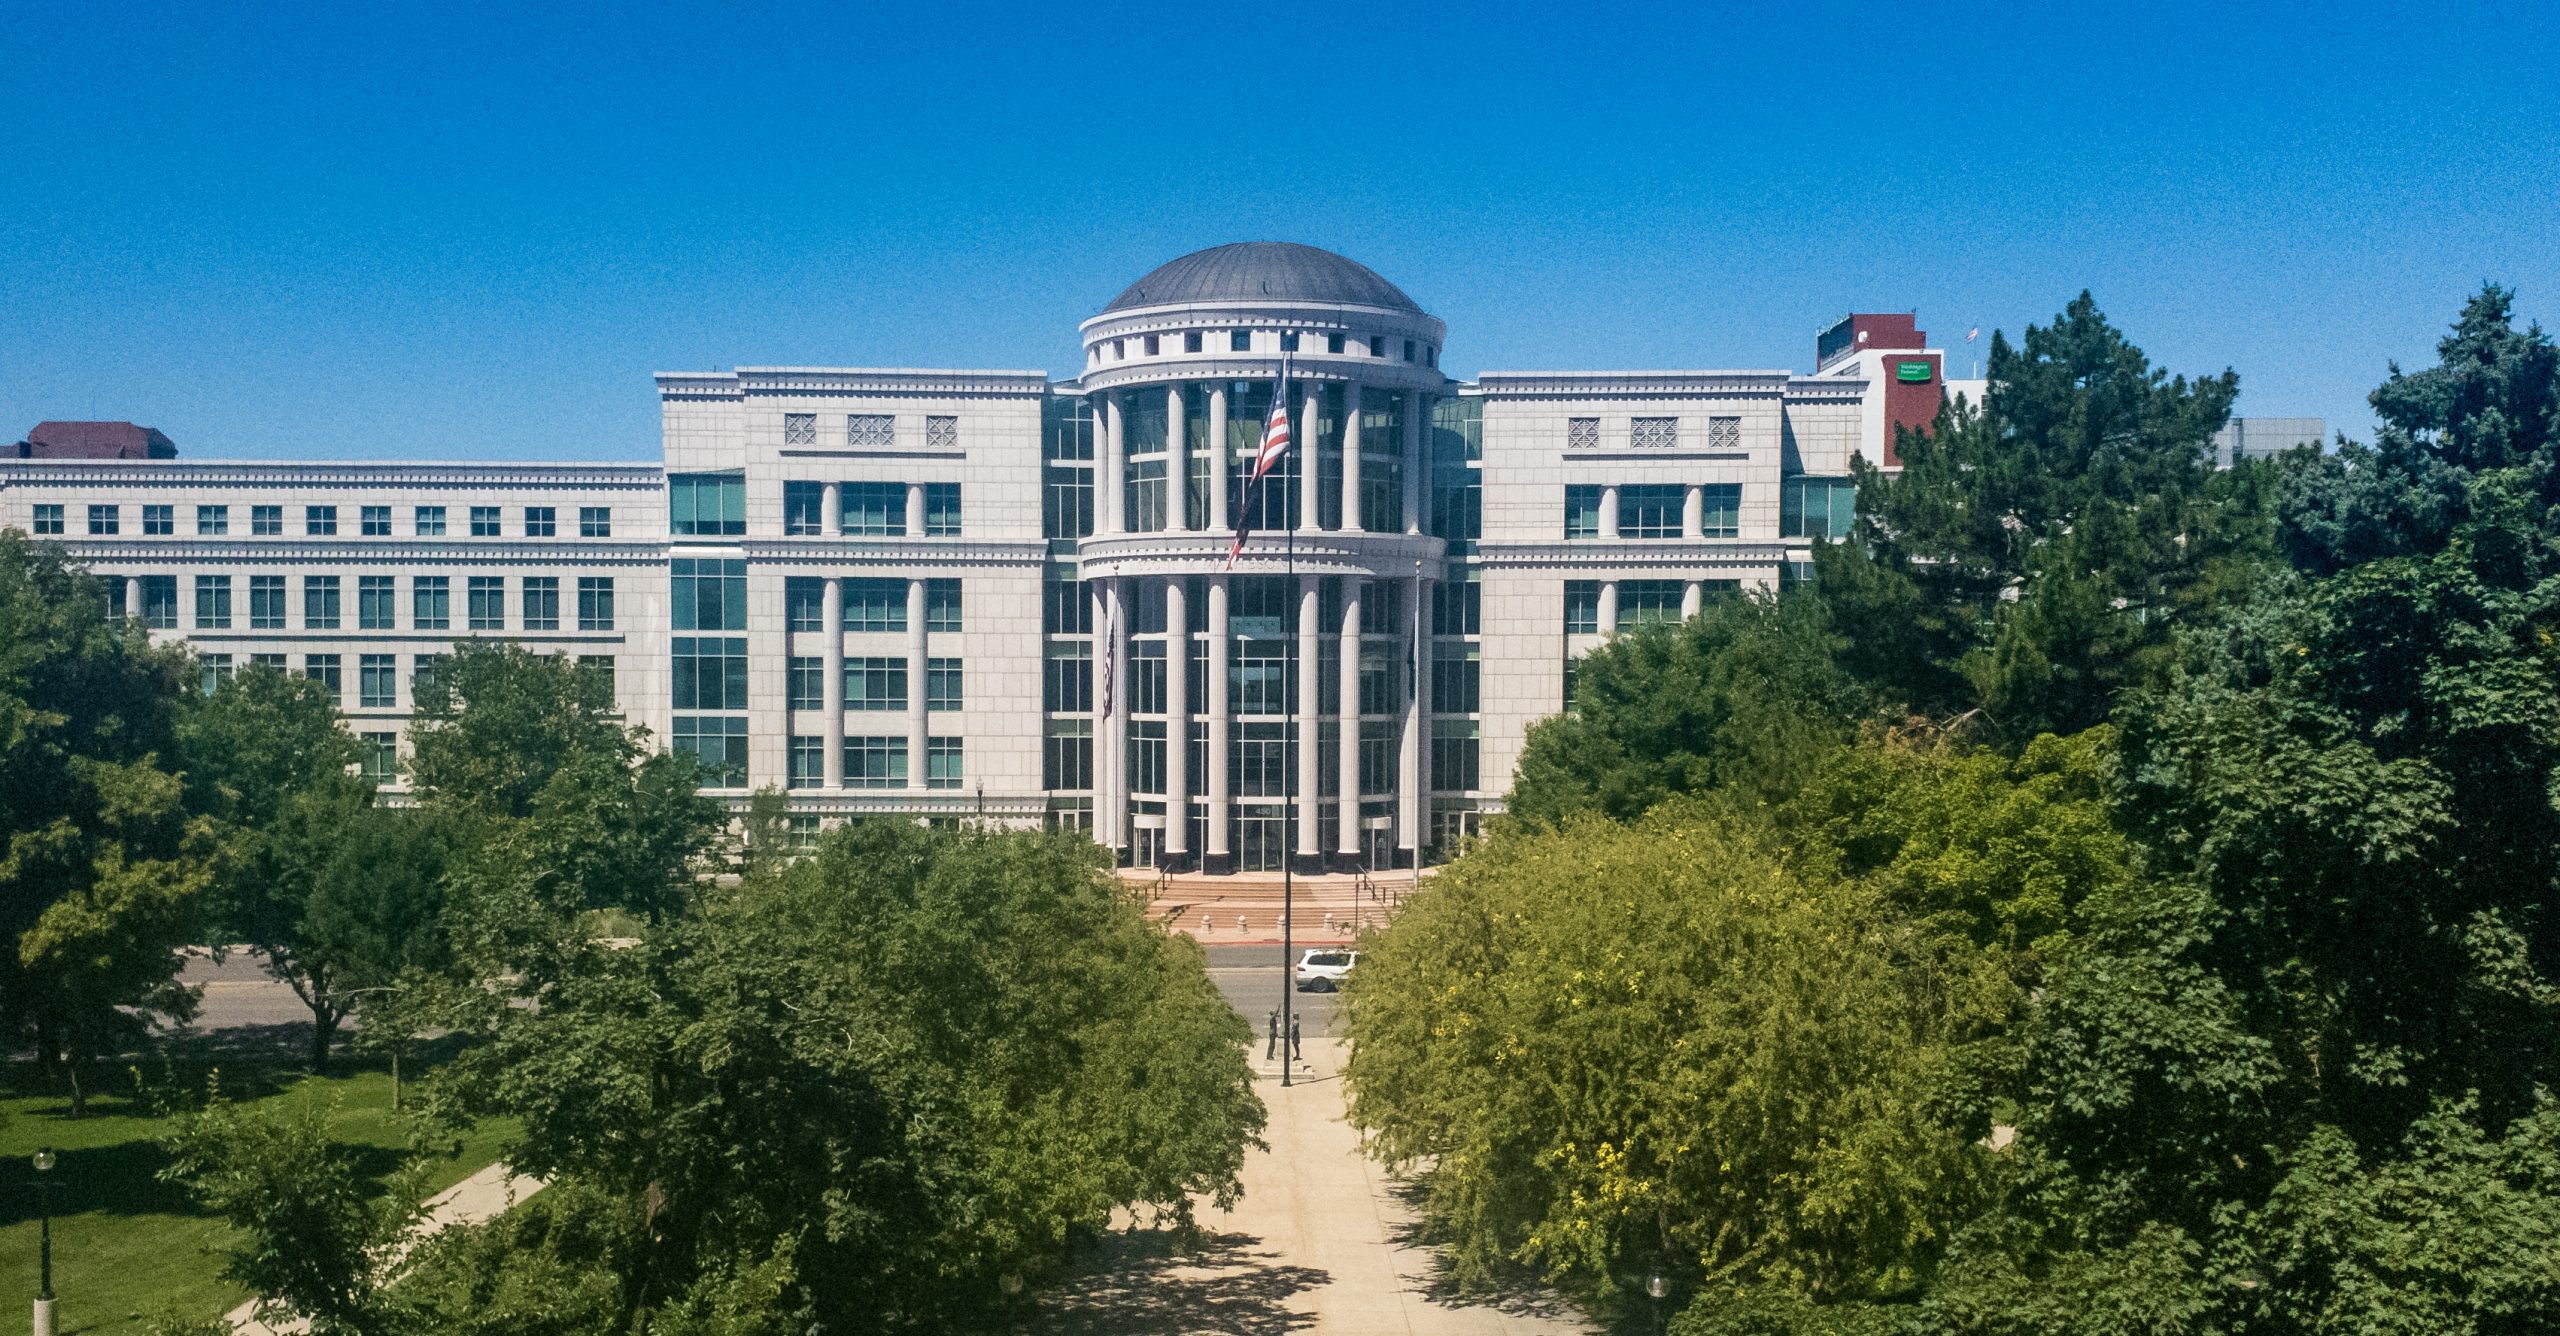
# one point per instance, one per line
(994, 594)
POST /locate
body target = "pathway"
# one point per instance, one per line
(1323, 1241)
(468, 1202)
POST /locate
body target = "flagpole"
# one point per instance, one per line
(1289, 817)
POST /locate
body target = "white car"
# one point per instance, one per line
(1322, 969)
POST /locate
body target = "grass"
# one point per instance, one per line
(127, 1247)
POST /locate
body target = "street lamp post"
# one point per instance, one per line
(1657, 1287)
(44, 1244)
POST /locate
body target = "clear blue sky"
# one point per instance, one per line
(371, 230)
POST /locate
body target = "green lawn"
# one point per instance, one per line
(127, 1247)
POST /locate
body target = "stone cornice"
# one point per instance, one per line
(852, 382)
(899, 802)
(1314, 316)
(1665, 555)
(897, 554)
(296, 473)
(1631, 384)
(301, 552)
(1324, 368)
(1809, 389)
(1319, 552)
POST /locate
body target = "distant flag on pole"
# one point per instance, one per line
(1974, 333)
(1110, 654)
(1275, 447)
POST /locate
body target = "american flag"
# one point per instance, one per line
(1275, 446)
(1974, 333)
(1110, 652)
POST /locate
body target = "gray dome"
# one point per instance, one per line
(1262, 271)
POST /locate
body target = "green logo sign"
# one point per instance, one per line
(1910, 371)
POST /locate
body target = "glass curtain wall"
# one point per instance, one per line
(1143, 424)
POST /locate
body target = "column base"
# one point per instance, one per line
(1309, 865)
(1177, 862)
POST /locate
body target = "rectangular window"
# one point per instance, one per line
(377, 599)
(428, 521)
(1581, 510)
(374, 521)
(542, 603)
(1720, 506)
(595, 521)
(319, 521)
(942, 605)
(487, 522)
(799, 429)
(875, 683)
(1654, 433)
(871, 431)
(1581, 607)
(275, 661)
(380, 757)
(803, 504)
(942, 763)
(160, 601)
(1333, 343)
(1289, 342)
(266, 521)
(942, 684)
(1817, 507)
(48, 517)
(1455, 679)
(159, 521)
(1641, 602)
(214, 670)
(1191, 342)
(1239, 341)
(941, 510)
(942, 433)
(808, 762)
(595, 602)
(105, 519)
(431, 602)
(1064, 609)
(486, 598)
(1066, 685)
(1651, 510)
(718, 743)
(212, 521)
(1378, 757)
(323, 669)
(875, 763)
(805, 677)
(1146, 756)
(709, 595)
(1455, 756)
(707, 505)
(710, 672)
(600, 668)
(266, 602)
(804, 603)
(1377, 345)
(875, 605)
(422, 675)
(541, 522)
(320, 602)
(1408, 350)
(213, 602)
(1259, 762)
(1457, 609)
(1582, 433)
(875, 509)
(1155, 345)
(377, 682)
(1066, 755)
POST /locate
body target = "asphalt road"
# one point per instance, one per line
(239, 994)
(1249, 978)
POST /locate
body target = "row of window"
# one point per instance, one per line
(1654, 510)
(869, 509)
(377, 602)
(1639, 602)
(875, 682)
(1241, 341)
(877, 431)
(870, 604)
(1260, 757)
(377, 675)
(1653, 433)
(875, 762)
(322, 521)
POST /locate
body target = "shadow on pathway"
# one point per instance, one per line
(1147, 1283)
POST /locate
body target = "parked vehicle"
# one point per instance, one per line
(1322, 969)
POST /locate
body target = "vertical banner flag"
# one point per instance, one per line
(1110, 652)
(1275, 445)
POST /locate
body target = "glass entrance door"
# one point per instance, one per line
(1262, 838)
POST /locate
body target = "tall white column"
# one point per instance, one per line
(133, 597)
(1351, 458)
(1310, 514)
(831, 690)
(1177, 717)
(1347, 764)
(1608, 607)
(1693, 514)
(1609, 511)
(1417, 465)
(1310, 663)
(1221, 505)
(1220, 801)
(1107, 482)
(1691, 597)
(915, 510)
(831, 510)
(915, 683)
(1111, 799)
(1413, 784)
(1177, 470)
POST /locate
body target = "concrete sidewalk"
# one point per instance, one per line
(474, 1199)
(1323, 1241)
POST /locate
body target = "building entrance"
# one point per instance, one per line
(1262, 838)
